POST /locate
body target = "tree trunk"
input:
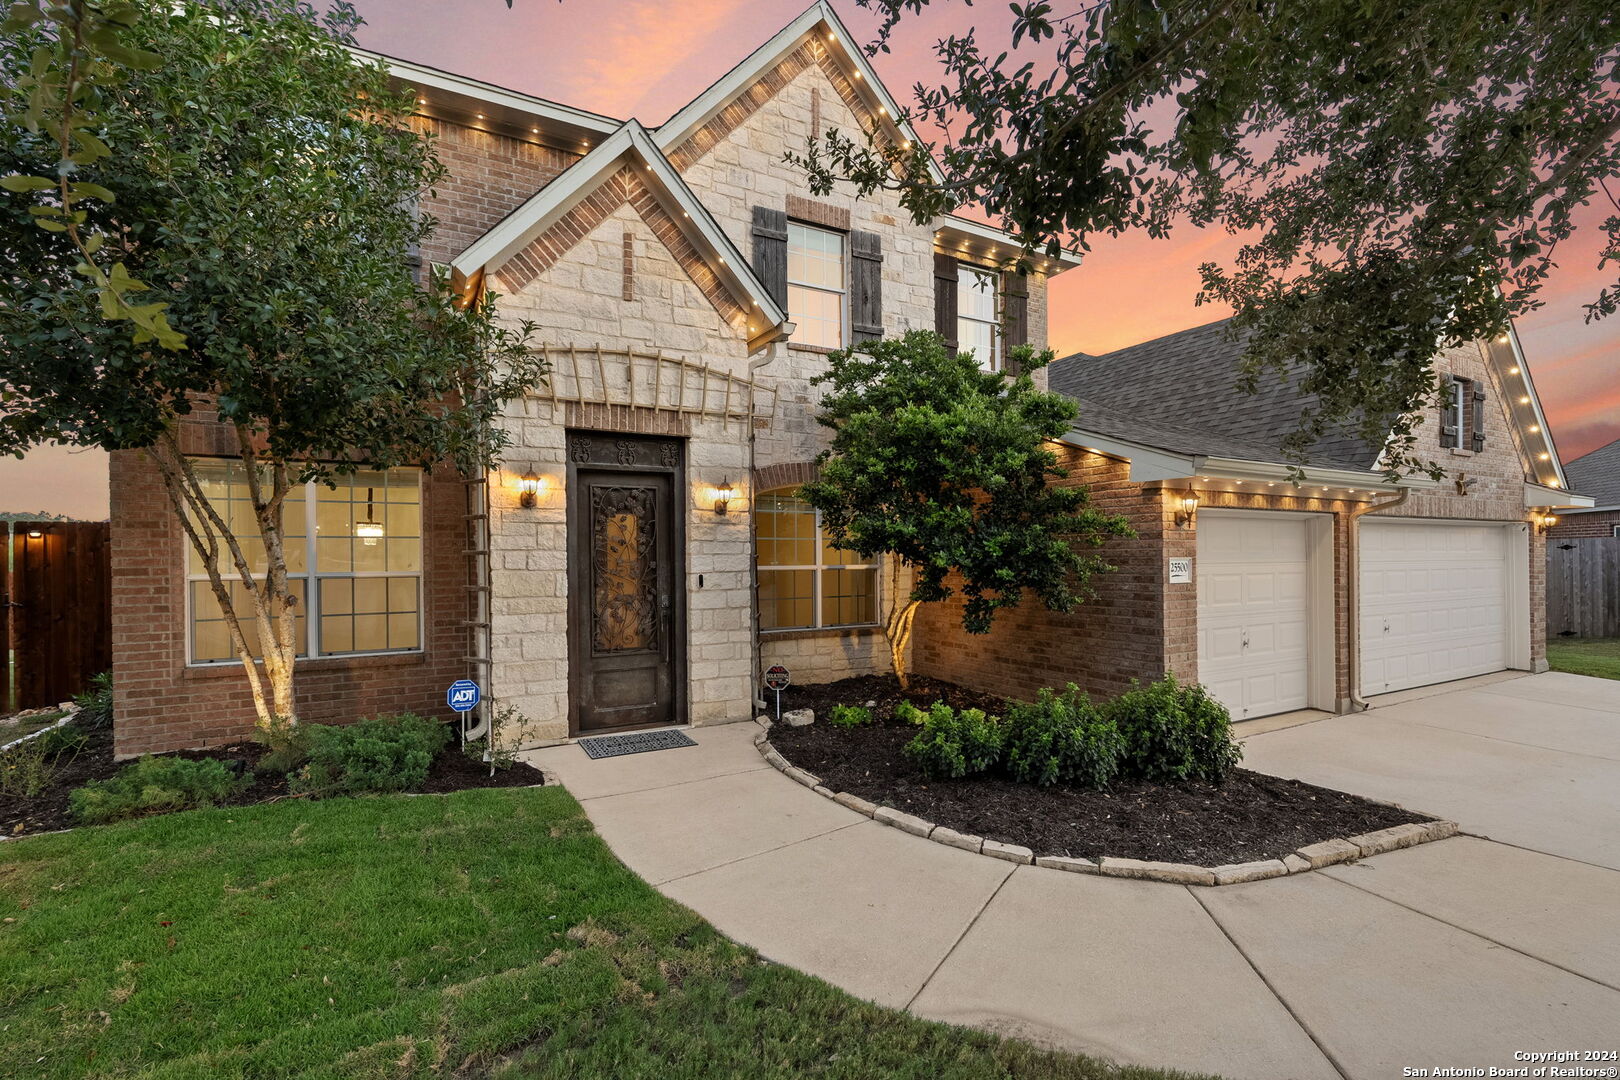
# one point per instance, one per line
(897, 625)
(274, 611)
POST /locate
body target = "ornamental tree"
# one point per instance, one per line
(945, 468)
(262, 181)
(1401, 174)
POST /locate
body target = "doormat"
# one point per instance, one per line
(637, 742)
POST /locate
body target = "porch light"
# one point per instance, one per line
(370, 530)
(1188, 511)
(1544, 521)
(723, 496)
(35, 534)
(529, 489)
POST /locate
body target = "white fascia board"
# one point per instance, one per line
(1271, 471)
(818, 19)
(519, 228)
(1587, 509)
(1534, 407)
(423, 78)
(955, 233)
(1146, 463)
(1540, 495)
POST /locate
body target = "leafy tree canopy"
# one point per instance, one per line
(1401, 173)
(261, 181)
(945, 467)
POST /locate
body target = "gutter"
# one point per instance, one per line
(1353, 591)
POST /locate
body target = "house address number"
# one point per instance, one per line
(1181, 571)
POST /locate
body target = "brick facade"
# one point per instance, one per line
(1574, 526)
(162, 704)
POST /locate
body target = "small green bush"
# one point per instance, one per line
(96, 703)
(907, 713)
(1173, 732)
(380, 753)
(154, 785)
(849, 716)
(955, 744)
(1060, 738)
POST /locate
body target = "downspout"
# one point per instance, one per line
(1353, 591)
(768, 354)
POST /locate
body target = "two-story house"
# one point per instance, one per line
(641, 555)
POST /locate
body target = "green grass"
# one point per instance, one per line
(487, 933)
(1599, 657)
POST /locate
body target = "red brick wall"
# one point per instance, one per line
(1100, 645)
(161, 704)
(489, 176)
(1578, 525)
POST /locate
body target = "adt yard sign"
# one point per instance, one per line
(463, 695)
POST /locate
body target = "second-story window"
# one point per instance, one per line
(1454, 413)
(977, 320)
(815, 275)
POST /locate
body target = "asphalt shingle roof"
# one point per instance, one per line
(1597, 474)
(1180, 393)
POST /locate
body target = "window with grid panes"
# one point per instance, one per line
(354, 560)
(804, 581)
(816, 285)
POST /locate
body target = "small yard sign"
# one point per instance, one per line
(1181, 571)
(463, 695)
(776, 677)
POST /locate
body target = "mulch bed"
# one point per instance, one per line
(47, 812)
(1251, 816)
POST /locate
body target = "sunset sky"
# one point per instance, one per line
(647, 58)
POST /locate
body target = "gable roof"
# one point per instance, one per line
(816, 21)
(631, 144)
(1180, 393)
(1597, 474)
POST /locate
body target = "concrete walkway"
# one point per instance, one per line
(1457, 953)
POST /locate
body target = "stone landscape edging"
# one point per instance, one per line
(1301, 861)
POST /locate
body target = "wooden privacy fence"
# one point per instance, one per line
(55, 618)
(1583, 587)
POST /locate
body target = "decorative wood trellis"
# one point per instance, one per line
(592, 375)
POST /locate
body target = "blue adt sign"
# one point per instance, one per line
(463, 695)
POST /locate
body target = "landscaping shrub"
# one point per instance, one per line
(955, 744)
(1173, 732)
(154, 785)
(849, 716)
(96, 703)
(375, 754)
(907, 713)
(1060, 738)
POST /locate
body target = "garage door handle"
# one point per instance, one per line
(1245, 641)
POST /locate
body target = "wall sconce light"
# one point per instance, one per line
(1546, 520)
(35, 534)
(1189, 510)
(529, 489)
(723, 496)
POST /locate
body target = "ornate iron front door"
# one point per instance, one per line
(624, 575)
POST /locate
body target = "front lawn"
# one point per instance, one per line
(1598, 657)
(485, 933)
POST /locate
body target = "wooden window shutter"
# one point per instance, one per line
(1477, 440)
(1450, 421)
(945, 298)
(865, 286)
(770, 252)
(1014, 317)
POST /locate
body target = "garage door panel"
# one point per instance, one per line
(1434, 603)
(1253, 590)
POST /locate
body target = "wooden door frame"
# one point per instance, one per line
(574, 521)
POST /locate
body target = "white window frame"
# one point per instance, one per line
(815, 577)
(312, 579)
(842, 292)
(1614, 530)
(965, 272)
(1457, 408)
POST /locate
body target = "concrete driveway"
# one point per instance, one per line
(1454, 954)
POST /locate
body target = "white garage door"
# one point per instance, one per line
(1252, 611)
(1433, 603)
